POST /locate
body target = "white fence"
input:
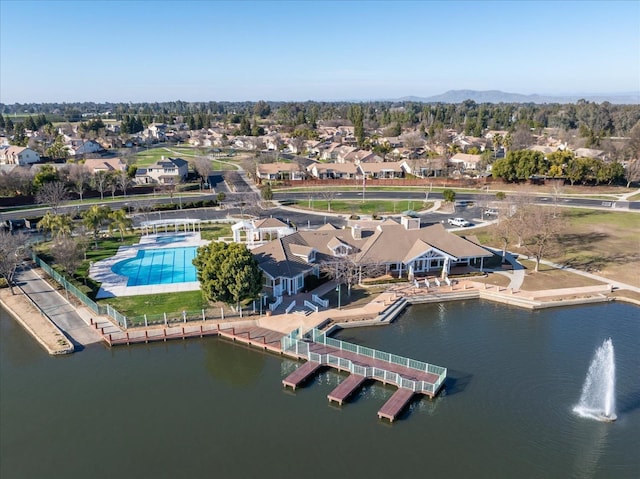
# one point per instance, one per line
(290, 307)
(322, 302)
(273, 306)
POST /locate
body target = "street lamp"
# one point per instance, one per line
(338, 289)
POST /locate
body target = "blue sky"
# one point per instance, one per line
(304, 50)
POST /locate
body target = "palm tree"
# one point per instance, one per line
(57, 225)
(93, 218)
(497, 141)
(119, 220)
(64, 225)
(507, 141)
(47, 223)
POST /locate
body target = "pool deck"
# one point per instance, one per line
(116, 285)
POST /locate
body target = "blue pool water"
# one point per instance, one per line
(158, 266)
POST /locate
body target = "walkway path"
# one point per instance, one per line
(63, 314)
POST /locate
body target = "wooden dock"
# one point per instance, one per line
(253, 335)
(395, 404)
(346, 388)
(403, 371)
(301, 374)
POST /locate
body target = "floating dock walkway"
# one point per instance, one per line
(301, 374)
(346, 388)
(411, 376)
(395, 404)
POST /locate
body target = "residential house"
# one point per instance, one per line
(399, 249)
(425, 167)
(325, 171)
(79, 147)
(590, 153)
(342, 152)
(545, 150)
(386, 170)
(329, 152)
(167, 171)
(156, 131)
(105, 164)
(280, 171)
(464, 161)
(363, 156)
(18, 155)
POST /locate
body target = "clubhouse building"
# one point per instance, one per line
(398, 249)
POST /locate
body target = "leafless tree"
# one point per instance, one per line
(112, 182)
(123, 181)
(52, 194)
(413, 140)
(557, 187)
(542, 226)
(502, 231)
(100, 181)
(144, 207)
(68, 252)
(18, 181)
(328, 196)
(203, 167)
(12, 250)
(79, 175)
(522, 137)
(351, 270)
(250, 204)
(633, 172)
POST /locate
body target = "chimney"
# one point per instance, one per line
(356, 232)
(410, 223)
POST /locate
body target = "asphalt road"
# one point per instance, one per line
(240, 194)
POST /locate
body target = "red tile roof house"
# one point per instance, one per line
(402, 249)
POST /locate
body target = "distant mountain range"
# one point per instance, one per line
(496, 96)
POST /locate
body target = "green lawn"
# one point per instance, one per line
(135, 307)
(213, 231)
(368, 207)
(152, 155)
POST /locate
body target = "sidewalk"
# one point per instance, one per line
(56, 308)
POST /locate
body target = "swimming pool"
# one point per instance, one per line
(158, 266)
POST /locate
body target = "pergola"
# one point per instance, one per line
(178, 224)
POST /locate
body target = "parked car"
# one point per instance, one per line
(459, 222)
(491, 212)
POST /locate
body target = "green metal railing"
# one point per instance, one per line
(292, 343)
(83, 298)
(140, 320)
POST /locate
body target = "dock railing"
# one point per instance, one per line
(301, 348)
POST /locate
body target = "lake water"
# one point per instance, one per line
(211, 408)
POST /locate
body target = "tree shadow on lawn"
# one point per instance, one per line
(581, 240)
(596, 262)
